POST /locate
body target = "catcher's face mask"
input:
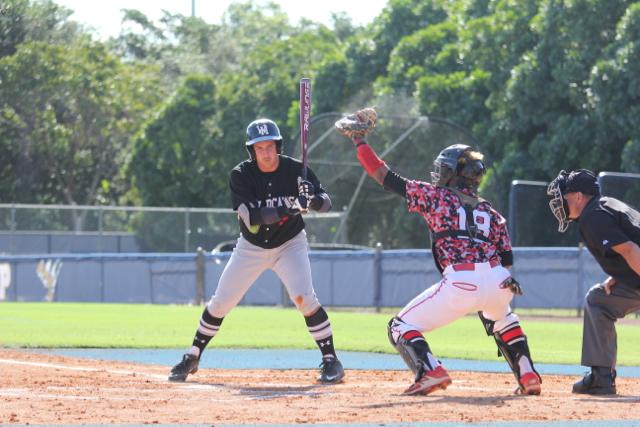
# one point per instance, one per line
(558, 204)
(446, 164)
(441, 174)
(435, 174)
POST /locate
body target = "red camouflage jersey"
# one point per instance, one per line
(442, 211)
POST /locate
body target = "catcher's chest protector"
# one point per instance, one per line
(470, 229)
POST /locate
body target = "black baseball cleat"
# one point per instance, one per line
(188, 365)
(331, 371)
(598, 381)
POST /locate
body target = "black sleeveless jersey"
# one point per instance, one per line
(256, 189)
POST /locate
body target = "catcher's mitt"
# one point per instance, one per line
(358, 124)
(513, 285)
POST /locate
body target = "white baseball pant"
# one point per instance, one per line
(464, 288)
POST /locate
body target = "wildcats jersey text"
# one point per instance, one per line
(254, 188)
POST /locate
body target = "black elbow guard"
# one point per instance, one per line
(395, 183)
(320, 202)
(506, 258)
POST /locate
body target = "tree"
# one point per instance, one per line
(67, 114)
(266, 83)
(557, 125)
(24, 21)
(178, 159)
(399, 19)
(615, 91)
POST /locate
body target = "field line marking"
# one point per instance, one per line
(83, 369)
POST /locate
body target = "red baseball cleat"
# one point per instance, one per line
(429, 382)
(530, 383)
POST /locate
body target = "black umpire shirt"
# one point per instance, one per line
(606, 222)
(256, 189)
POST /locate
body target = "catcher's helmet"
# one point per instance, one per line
(263, 130)
(452, 163)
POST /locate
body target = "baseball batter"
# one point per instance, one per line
(269, 195)
(471, 248)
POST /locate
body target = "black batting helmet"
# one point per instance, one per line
(263, 130)
(454, 166)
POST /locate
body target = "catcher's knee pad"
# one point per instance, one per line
(511, 341)
(410, 343)
(508, 322)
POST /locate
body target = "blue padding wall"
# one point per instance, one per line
(551, 277)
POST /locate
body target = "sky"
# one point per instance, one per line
(105, 16)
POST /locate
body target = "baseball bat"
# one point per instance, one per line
(305, 116)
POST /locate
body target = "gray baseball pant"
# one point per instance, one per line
(599, 338)
(290, 262)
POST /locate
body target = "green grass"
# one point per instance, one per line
(173, 326)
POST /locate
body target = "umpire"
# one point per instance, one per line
(611, 232)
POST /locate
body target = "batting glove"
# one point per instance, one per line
(306, 190)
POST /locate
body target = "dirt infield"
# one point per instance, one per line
(44, 389)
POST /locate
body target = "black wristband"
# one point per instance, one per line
(361, 142)
(395, 183)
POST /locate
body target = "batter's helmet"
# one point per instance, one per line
(453, 163)
(263, 130)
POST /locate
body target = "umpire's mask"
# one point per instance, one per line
(558, 204)
(581, 180)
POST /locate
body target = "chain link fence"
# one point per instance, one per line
(79, 229)
(531, 222)
(622, 186)
(408, 145)
(363, 214)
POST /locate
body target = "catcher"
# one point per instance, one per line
(471, 248)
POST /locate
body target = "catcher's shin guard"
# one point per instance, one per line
(512, 345)
(411, 345)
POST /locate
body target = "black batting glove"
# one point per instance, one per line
(306, 189)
